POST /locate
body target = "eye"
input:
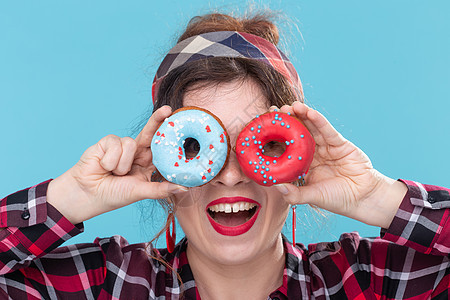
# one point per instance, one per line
(274, 148)
(191, 148)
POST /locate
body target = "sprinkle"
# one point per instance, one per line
(288, 126)
(280, 119)
(255, 142)
(246, 139)
(265, 176)
(273, 122)
(270, 177)
(264, 182)
(257, 153)
(259, 142)
(248, 144)
(249, 162)
(267, 169)
(299, 158)
(257, 116)
(289, 113)
(292, 141)
(260, 147)
(243, 144)
(251, 129)
(257, 167)
(260, 162)
(274, 181)
(289, 157)
(260, 157)
(276, 116)
(276, 109)
(253, 137)
(287, 143)
(302, 136)
(274, 161)
(262, 172)
(259, 126)
(256, 171)
(267, 162)
(259, 131)
(282, 123)
(242, 152)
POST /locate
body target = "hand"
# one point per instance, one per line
(341, 178)
(111, 174)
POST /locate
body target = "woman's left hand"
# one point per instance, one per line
(341, 178)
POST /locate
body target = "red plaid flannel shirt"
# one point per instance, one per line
(409, 261)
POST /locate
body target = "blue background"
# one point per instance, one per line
(72, 72)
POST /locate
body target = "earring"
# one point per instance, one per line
(170, 238)
(294, 223)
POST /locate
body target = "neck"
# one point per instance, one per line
(254, 279)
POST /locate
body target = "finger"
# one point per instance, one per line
(287, 109)
(112, 149)
(321, 129)
(144, 138)
(273, 108)
(129, 147)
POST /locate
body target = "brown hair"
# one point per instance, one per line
(217, 70)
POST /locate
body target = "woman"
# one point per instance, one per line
(409, 262)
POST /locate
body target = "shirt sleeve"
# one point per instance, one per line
(421, 221)
(31, 228)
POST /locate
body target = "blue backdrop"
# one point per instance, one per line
(72, 72)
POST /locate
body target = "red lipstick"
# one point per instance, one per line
(233, 230)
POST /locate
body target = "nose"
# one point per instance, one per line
(231, 174)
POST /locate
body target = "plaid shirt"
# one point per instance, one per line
(410, 261)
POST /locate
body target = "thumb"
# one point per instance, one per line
(156, 190)
(300, 195)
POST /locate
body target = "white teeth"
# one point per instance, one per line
(235, 207)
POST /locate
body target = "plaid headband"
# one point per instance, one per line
(227, 44)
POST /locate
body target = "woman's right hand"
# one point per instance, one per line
(111, 174)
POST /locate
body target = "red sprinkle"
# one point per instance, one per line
(176, 164)
(171, 124)
(203, 177)
(179, 156)
(208, 129)
(157, 133)
(210, 162)
(211, 146)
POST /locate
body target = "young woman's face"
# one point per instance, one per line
(215, 235)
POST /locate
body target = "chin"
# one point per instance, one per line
(234, 250)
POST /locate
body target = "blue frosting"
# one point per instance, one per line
(171, 135)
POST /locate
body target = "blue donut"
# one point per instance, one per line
(168, 150)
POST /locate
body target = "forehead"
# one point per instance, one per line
(234, 103)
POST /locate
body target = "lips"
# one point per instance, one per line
(232, 216)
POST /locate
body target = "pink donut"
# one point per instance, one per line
(290, 165)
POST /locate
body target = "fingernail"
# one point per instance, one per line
(177, 189)
(282, 188)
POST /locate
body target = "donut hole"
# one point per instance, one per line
(191, 148)
(274, 148)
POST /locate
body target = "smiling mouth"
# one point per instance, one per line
(232, 214)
